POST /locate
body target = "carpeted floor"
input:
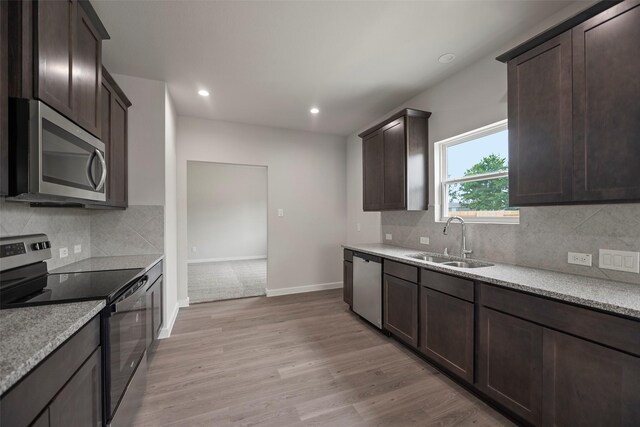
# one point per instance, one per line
(213, 281)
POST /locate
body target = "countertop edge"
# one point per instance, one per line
(588, 303)
(30, 363)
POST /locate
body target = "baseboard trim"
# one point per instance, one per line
(303, 289)
(165, 332)
(237, 258)
(183, 302)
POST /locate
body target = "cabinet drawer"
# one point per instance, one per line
(23, 403)
(603, 328)
(454, 286)
(402, 271)
(348, 255)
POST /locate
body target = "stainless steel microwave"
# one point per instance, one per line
(51, 158)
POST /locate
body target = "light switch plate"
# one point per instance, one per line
(579, 259)
(619, 260)
(388, 236)
(424, 240)
(64, 252)
(280, 212)
(77, 249)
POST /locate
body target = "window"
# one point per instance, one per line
(473, 178)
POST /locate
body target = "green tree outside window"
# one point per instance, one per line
(486, 195)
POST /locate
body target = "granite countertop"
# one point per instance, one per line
(110, 263)
(615, 297)
(29, 334)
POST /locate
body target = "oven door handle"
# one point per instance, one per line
(126, 302)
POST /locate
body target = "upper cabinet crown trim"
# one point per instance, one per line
(106, 76)
(95, 19)
(565, 25)
(407, 112)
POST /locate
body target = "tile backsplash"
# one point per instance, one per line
(542, 239)
(137, 230)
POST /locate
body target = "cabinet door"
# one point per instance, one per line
(509, 366)
(87, 74)
(540, 130)
(446, 325)
(42, 420)
(372, 173)
(400, 312)
(55, 22)
(4, 99)
(606, 63)
(588, 384)
(395, 170)
(79, 403)
(157, 308)
(347, 283)
(117, 190)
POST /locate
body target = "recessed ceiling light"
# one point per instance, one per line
(314, 110)
(446, 58)
(203, 92)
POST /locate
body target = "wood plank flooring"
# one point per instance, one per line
(297, 360)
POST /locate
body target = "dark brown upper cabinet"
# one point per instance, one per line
(606, 111)
(56, 57)
(395, 163)
(574, 116)
(4, 100)
(114, 133)
(540, 138)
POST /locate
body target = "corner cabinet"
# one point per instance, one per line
(347, 278)
(114, 134)
(395, 163)
(574, 115)
(56, 57)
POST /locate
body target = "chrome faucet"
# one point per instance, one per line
(463, 245)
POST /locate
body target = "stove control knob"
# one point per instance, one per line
(47, 244)
(36, 246)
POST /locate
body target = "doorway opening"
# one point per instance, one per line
(226, 231)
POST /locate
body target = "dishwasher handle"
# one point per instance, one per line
(367, 257)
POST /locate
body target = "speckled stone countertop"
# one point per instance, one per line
(29, 334)
(110, 263)
(615, 297)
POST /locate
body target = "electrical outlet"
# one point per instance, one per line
(358, 227)
(579, 259)
(388, 236)
(77, 249)
(280, 212)
(424, 240)
(64, 252)
(194, 249)
(619, 260)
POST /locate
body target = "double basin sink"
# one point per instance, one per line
(448, 261)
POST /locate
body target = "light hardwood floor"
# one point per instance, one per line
(298, 360)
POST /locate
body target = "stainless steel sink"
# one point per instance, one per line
(466, 264)
(429, 258)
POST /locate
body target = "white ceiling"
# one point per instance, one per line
(268, 62)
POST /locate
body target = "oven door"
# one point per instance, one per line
(65, 160)
(127, 341)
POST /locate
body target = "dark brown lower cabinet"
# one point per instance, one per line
(79, 403)
(446, 331)
(586, 384)
(347, 283)
(400, 309)
(510, 363)
(154, 308)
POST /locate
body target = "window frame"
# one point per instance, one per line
(441, 179)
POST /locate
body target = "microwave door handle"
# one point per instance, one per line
(103, 178)
(89, 171)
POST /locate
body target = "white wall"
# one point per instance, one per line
(170, 216)
(474, 97)
(152, 169)
(146, 139)
(306, 178)
(226, 211)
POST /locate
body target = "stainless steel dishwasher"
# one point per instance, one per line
(367, 287)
